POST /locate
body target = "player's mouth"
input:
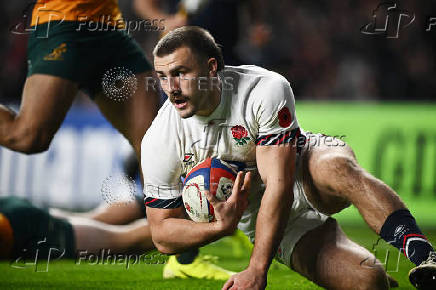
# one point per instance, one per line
(180, 103)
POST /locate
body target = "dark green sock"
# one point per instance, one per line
(187, 257)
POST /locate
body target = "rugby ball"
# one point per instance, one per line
(214, 175)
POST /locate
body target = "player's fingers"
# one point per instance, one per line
(237, 187)
(211, 198)
(228, 284)
(247, 182)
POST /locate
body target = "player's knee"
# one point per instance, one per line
(37, 142)
(30, 140)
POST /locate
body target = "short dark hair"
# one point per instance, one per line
(199, 40)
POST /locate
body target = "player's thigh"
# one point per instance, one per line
(133, 115)
(46, 100)
(327, 257)
(327, 170)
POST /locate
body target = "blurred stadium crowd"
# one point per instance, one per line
(317, 45)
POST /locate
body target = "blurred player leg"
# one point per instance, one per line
(337, 262)
(92, 236)
(45, 102)
(133, 116)
(111, 214)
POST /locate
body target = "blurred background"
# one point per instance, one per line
(362, 69)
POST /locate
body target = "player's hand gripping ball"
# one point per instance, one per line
(214, 175)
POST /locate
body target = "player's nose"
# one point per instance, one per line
(174, 84)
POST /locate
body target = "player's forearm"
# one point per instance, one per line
(175, 235)
(271, 222)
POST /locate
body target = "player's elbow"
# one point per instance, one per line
(29, 140)
(163, 249)
(160, 243)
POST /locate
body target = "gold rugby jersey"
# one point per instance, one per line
(106, 11)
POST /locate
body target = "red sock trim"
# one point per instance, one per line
(406, 237)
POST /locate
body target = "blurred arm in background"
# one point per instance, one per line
(151, 9)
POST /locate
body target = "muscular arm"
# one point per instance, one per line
(45, 102)
(276, 166)
(173, 233)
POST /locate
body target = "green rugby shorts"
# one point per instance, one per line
(80, 55)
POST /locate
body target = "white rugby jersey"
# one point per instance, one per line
(257, 108)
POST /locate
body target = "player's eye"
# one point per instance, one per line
(163, 78)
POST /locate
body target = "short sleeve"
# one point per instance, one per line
(161, 168)
(275, 112)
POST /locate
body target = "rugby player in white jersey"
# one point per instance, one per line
(247, 114)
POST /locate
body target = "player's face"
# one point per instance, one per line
(183, 77)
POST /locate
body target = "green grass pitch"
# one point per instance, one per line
(68, 275)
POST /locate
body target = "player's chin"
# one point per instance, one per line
(186, 113)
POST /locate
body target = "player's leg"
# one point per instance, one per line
(339, 181)
(327, 257)
(46, 100)
(111, 214)
(134, 115)
(92, 236)
(334, 179)
(30, 225)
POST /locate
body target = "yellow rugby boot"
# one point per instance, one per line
(203, 267)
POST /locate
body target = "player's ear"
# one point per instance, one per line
(212, 66)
